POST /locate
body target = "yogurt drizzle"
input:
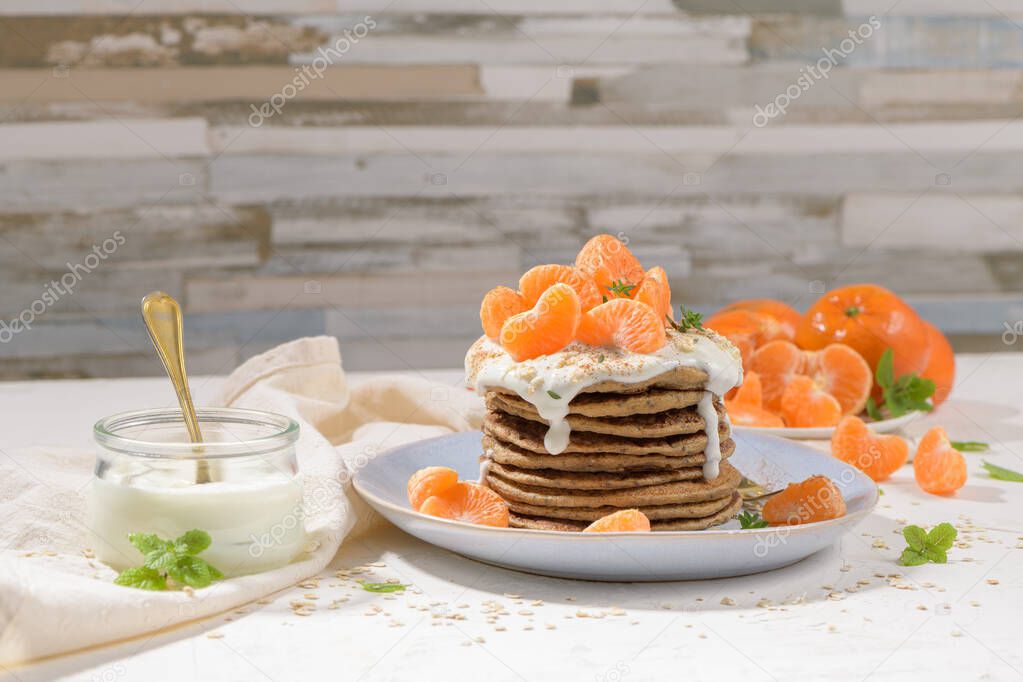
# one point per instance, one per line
(550, 382)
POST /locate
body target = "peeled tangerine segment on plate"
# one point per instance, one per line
(623, 323)
(607, 260)
(498, 305)
(624, 521)
(468, 502)
(540, 278)
(875, 455)
(548, 327)
(805, 405)
(815, 499)
(939, 468)
(429, 482)
(777, 363)
(747, 407)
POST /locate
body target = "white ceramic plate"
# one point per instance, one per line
(825, 432)
(672, 555)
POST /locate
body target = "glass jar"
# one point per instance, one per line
(241, 485)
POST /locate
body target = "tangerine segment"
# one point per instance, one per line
(655, 291)
(875, 455)
(785, 315)
(762, 327)
(815, 499)
(548, 327)
(751, 392)
(805, 405)
(608, 260)
(468, 502)
(498, 305)
(747, 407)
(624, 521)
(941, 367)
(777, 363)
(843, 373)
(870, 319)
(939, 468)
(623, 323)
(429, 482)
(540, 278)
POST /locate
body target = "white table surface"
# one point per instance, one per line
(848, 613)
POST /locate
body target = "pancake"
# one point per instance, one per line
(677, 492)
(598, 405)
(574, 480)
(669, 423)
(506, 453)
(690, 510)
(545, 523)
(529, 435)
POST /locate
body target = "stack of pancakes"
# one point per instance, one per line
(632, 446)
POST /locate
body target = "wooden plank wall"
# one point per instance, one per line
(369, 168)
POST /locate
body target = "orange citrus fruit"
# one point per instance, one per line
(939, 468)
(624, 521)
(546, 328)
(540, 278)
(785, 315)
(429, 482)
(875, 455)
(655, 292)
(777, 363)
(842, 372)
(815, 499)
(607, 260)
(623, 323)
(498, 305)
(468, 502)
(747, 407)
(805, 405)
(941, 367)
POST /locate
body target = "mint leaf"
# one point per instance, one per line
(554, 395)
(142, 577)
(161, 560)
(751, 520)
(916, 537)
(970, 446)
(1001, 473)
(885, 373)
(911, 557)
(192, 542)
(147, 542)
(942, 536)
(873, 411)
(382, 587)
(935, 555)
(193, 571)
(900, 396)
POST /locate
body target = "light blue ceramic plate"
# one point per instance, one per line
(676, 555)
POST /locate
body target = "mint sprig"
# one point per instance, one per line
(382, 587)
(751, 520)
(927, 546)
(175, 559)
(1001, 473)
(970, 446)
(900, 396)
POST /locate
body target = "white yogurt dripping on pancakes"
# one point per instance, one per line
(550, 382)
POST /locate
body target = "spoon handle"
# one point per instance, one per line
(162, 316)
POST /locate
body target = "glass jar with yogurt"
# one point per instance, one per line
(147, 480)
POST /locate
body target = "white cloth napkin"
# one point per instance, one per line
(54, 599)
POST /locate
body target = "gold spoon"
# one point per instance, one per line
(162, 316)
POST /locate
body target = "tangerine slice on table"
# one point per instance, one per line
(777, 363)
(842, 372)
(941, 367)
(429, 482)
(785, 315)
(623, 323)
(540, 278)
(805, 405)
(655, 292)
(607, 260)
(498, 305)
(875, 455)
(815, 499)
(468, 502)
(624, 521)
(762, 327)
(939, 468)
(546, 328)
(747, 407)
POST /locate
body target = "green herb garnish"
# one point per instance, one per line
(900, 396)
(687, 319)
(751, 520)
(382, 587)
(174, 559)
(600, 358)
(1001, 473)
(970, 446)
(923, 546)
(621, 288)
(554, 395)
